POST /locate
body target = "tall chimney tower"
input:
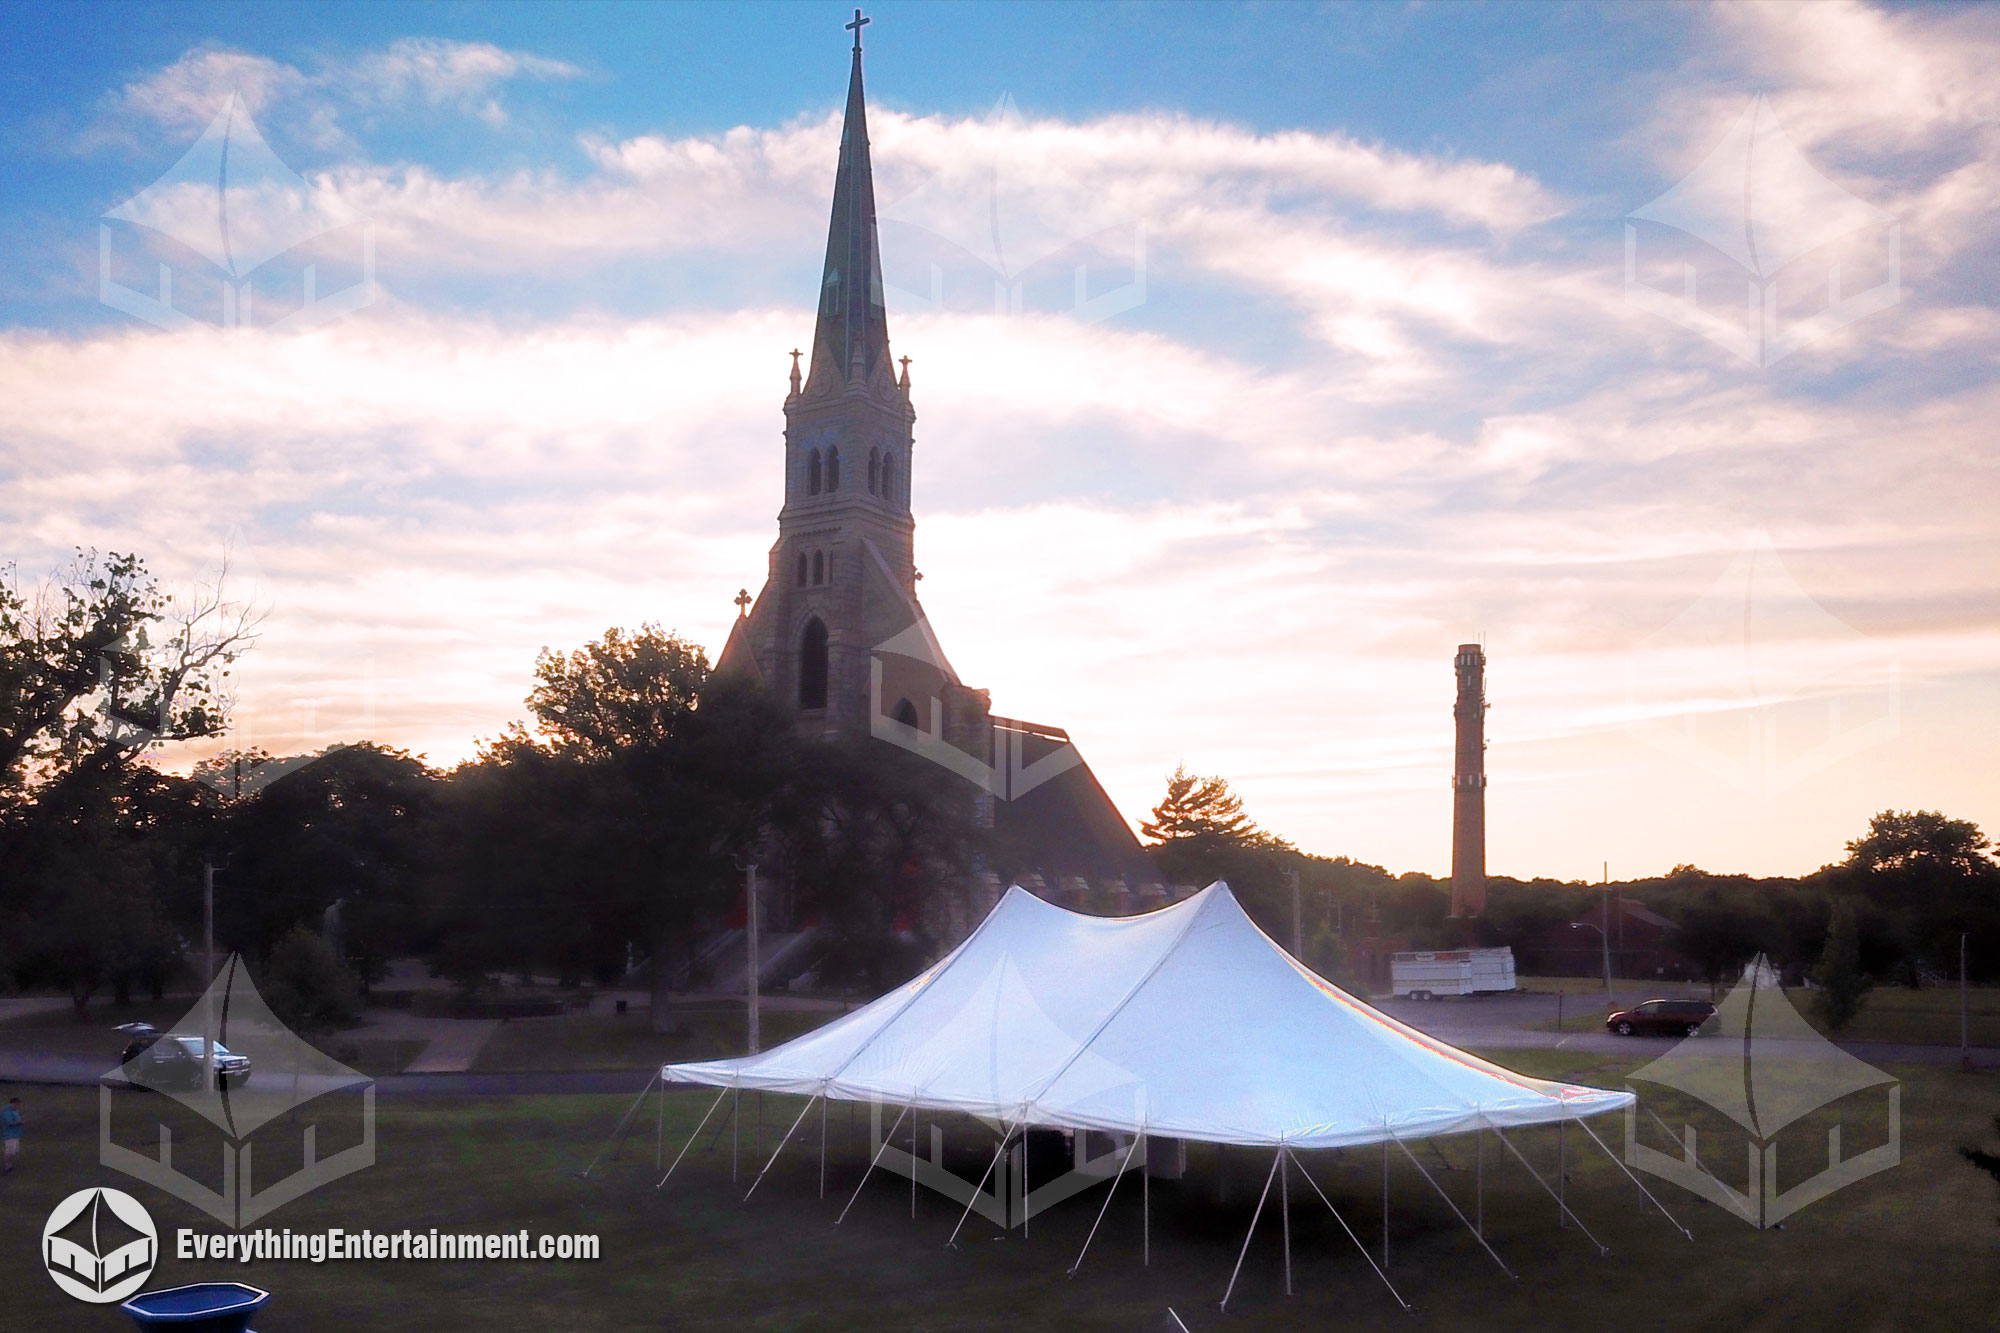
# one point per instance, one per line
(1468, 785)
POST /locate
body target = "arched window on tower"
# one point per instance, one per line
(833, 469)
(812, 472)
(905, 712)
(819, 569)
(812, 665)
(874, 471)
(802, 569)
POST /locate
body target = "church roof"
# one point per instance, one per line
(853, 323)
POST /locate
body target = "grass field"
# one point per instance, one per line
(710, 1030)
(1915, 1247)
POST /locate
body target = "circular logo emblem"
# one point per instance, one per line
(100, 1245)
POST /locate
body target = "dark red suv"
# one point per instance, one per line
(1662, 1018)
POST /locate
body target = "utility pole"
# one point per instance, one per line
(208, 973)
(1609, 998)
(750, 933)
(1298, 937)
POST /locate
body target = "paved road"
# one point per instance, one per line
(1509, 1022)
(1490, 1023)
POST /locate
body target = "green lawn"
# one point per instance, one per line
(711, 1029)
(1914, 1247)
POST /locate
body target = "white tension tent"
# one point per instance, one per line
(1187, 1022)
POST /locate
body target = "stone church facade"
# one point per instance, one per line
(837, 631)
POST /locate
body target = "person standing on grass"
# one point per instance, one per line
(11, 1126)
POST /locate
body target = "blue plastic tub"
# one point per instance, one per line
(204, 1307)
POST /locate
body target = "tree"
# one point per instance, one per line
(625, 816)
(1930, 878)
(101, 666)
(307, 985)
(1920, 840)
(1201, 811)
(1201, 834)
(1842, 985)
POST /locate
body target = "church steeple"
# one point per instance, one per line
(851, 337)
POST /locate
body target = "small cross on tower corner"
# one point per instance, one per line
(743, 600)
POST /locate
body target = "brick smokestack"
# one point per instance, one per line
(1468, 785)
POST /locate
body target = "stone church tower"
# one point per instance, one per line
(842, 580)
(837, 633)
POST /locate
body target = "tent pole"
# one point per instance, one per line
(1479, 1189)
(913, 1164)
(1351, 1236)
(637, 1102)
(1455, 1209)
(781, 1147)
(735, 1137)
(1136, 1140)
(1385, 1203)
(1146, 1210)
(1285, 1213)
(871, 1163)
(1562, 1175)
(697, 1133)
(1242, 1254)
(822, 1141)
(981, 1186)
(660, 1128)
(1508, 1144)
(1584, 1125)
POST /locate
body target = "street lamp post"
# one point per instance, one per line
(1591, 925)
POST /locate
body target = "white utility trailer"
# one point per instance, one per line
(1427, 974)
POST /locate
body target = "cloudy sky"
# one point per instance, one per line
(1262, 355)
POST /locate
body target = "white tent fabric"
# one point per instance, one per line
(1187, 1022)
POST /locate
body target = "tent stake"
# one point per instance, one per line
(1455, 1210)
(1351, 1236)
(697, 1133)
(1285, 1214)
(1585, 1126)
(1137, 1139)
(780, 1148)
(1251, 1232)
(1508, 1144)
(981, 1186)
(871, 1163)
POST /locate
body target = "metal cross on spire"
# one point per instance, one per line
(860, 21)
(743, 600)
